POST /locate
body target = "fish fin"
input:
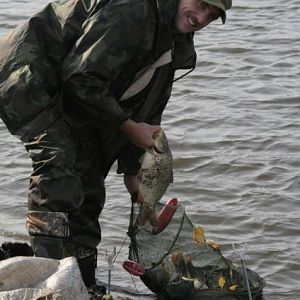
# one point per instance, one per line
(141, 158)
(140, 198)
(140, 174)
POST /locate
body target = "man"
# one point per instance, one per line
(84, 83)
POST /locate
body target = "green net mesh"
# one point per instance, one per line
(179, 267)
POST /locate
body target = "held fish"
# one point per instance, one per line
(155, 175)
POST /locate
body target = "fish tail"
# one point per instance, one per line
(152, 217)
(142, 217)
(147, 212)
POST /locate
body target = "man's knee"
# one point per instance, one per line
(44, 223)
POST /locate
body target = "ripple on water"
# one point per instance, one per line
(233, 126)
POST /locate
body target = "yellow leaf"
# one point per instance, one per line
(198, 235)
(221, 282)
(187, 278)
(233, 287)
(213, 244)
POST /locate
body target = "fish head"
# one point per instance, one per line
(160, 142)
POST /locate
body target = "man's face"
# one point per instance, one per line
(193, 15)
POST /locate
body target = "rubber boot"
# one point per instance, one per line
(87, 268)
(57, 248)
(48, 247)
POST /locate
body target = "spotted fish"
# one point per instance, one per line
(155, 175)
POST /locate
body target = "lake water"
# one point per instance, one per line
(234, 129)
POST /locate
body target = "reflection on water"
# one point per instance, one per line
(233, 125)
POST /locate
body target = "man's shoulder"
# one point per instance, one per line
(132, 10)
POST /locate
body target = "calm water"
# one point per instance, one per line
(233, 125)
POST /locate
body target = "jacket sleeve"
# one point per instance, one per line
(111, 39)
(128, 160)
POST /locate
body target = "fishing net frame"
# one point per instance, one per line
(177, 268)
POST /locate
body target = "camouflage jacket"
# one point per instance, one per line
(77, 57)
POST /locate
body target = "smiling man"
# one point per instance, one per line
(194, 15)
(83, 84)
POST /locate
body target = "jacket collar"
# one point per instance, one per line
(184, 55)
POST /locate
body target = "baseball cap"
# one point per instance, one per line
(222, 4)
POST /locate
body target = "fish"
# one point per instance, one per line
(155, 175)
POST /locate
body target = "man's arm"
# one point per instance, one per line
(112, 38)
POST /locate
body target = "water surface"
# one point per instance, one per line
(233, 126)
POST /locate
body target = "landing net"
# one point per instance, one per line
(181, 263)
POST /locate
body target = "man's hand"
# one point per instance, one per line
(140, 134)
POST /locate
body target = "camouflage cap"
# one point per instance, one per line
(222, 4)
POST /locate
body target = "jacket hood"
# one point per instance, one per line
(184, 56)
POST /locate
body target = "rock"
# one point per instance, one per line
(9, 249)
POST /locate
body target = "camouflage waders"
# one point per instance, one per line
(66, 194)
